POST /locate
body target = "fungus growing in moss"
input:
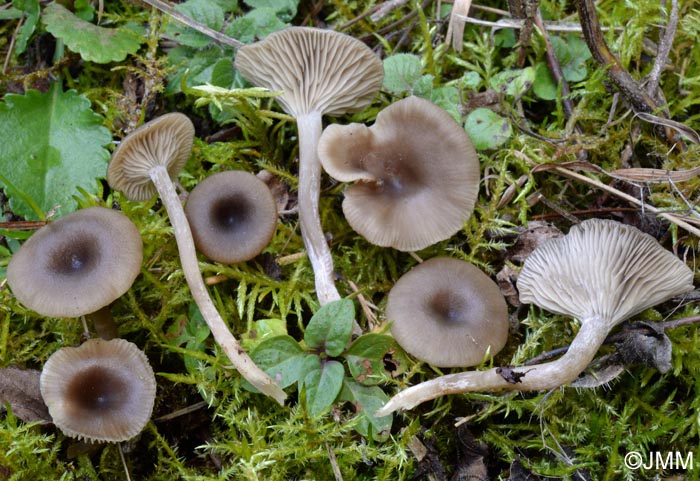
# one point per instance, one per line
(143, 164)
(232, 216)
(319, 72)
(448, 313)
(602, 273)
(99, 391)
(415, 174)
(77, 264)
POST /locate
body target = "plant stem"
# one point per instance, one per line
(537, 377)
(310, 128)
(188, 258)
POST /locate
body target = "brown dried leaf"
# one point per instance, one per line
(20, 388)
(630, 175)
(682, 129)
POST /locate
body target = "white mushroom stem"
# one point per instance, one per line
(538, 377)
(310, 128)
(188, 258)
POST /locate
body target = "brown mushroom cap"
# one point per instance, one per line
(416, 174)
(232, 216)
(166, 140)
(602, 269)
(77, 264)
(99, 391)
(448, 313)
(316, 70)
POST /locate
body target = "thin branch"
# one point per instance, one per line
(663, 51)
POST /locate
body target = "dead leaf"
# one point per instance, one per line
(630, 175)
(682, 129)
(20, 388)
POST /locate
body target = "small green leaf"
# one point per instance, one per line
(256, 24)
(322, 385)
(572, 53)
(203, 11)
(93, 43)
(365, 357)
(57, 146)
(282, 358)
(445, 97)
(513, 83)
(486, 129)
(287, 9)
(401, 71)
(30, 8)
(544, 86)
(470, 80)
(331, 327)
(367, 400)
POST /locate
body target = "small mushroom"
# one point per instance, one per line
(318, 72)
(77, 264)
(415, 170)
(448, 313)
(99, 391)
(602, 273)
(142, 165)
(232, 216)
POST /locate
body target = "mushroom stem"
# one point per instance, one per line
(188, 258)
(310, 129)
(538, 377)
(103, 323)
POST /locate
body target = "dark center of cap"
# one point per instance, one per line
(230, 213)
(447, 308)
(74, 256)
(97, 389)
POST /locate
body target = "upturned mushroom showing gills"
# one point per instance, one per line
(319, 72)
(77, 264)
(448, 313)
(99, 391)
(142, 165)
(415, 170)
(232, 216)
(602, 273)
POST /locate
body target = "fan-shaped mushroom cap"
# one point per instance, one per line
(448, 313)
(602, 269)
(232, 215)
(166, 140)
(315, 69)
(77, 264)
(99, 391)
(416, 174)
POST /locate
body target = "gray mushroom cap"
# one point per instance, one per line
(448, 313)
(77, 264)
(315, 69)
(232, 216)
(602, 269)
(415, 170)
(99, 391)
(166, 140)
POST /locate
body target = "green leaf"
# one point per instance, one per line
(286, 9)
(30, 8)
(57, 146)
(513, 83)
(572, 54)
(365, 357)
(331, 327)
(11, 14)
(367, 400)
(487, 129)
(322, 384)
(544, 86)
(93, 43)
(445, 97)
(256, 24)
(203, 11)
(282, 358)
(401, 72)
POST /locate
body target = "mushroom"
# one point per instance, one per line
(602, 272)
(77, 264)
(318, 72)
(415, 170)
(99, 391)
(232, 216)
(142, 165)
(448, 313)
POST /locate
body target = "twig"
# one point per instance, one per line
(11, 47)
(386, 8)
(663, 51)
(218, 36)
(518, 23)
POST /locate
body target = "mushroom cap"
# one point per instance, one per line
(316, 70)
(232, 215)
(602, 269)
(448, 313)
(99, 391)
(416, 174)
(77, 264)
(166, 140)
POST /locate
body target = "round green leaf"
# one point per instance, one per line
(401, 71)
(331, 327)
(486, 129)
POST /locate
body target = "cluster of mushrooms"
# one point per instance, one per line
(415, 179)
